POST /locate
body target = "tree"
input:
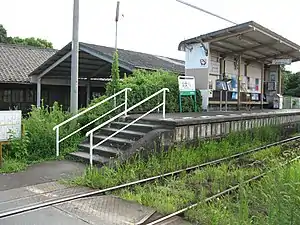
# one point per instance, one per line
(36, 42)
(3, 34)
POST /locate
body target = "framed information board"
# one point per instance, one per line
(10, 123)
(187, 87)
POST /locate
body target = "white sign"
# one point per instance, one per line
(214, 67)
(10, 124)
(186, 83)
(196, 57)
(281, 61)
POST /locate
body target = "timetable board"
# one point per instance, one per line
(10, 124)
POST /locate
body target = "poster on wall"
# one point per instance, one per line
(196, 57)
(272, 76)
(214, 67)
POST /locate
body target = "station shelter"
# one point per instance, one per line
(240, 66)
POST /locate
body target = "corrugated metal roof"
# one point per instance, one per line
(251, 40)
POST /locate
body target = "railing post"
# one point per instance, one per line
(57, 141)
(164, 104)
(91, 149)
(126, 99)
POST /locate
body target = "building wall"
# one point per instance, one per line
(23, 96)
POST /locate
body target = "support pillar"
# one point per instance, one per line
(279, 80)
(88, 91)
(262, 85)
(239, 82)
(38, 93)
(74, 62)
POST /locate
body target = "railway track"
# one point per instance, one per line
(220, 194)
(47, 203)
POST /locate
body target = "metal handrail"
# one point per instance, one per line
(125, 104)
(91, 132)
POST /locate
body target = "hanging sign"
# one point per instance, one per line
(282, 61)
(10, 124)
(196, 56)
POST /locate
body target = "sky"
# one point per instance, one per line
(150, 26)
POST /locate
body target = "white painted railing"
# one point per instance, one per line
(125, 104)
(91, 132)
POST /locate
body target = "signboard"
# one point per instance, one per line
(214, 67)
(186, 85)
(10, 124)
(196, 57)
(282, 61)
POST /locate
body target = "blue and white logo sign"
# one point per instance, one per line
(195, 57)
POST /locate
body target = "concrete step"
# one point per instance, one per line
(101, 150)
(85, 158)
(127, 133)
(115, 142)
(140, 127)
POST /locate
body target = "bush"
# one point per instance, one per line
(145, 83)
(38, 141)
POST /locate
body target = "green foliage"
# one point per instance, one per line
(145, 83)
(291, 83)
(115, 71)
(38, 142)
(36, 42)
(3, 34)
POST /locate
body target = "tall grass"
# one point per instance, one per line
(176, 158)
(271, 201)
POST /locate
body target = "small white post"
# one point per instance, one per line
(164, 104)
(57, 141)
(91, 149)
(126, 98)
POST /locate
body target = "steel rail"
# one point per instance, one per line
(103, 191)
(227, 191)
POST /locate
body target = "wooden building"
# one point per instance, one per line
(24, 70)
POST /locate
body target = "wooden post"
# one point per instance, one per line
(239, 81)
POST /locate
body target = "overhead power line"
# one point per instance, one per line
(203, 10)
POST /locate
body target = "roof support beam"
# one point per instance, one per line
(227, 36)
(54, 65)
(255, 47)
(240, 46)
(271, 36)
(277, 55)
(100, 70)
(103, 57)
(231, 52)
(271, 47)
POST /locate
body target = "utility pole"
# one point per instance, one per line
(117, 20)
(74, 63)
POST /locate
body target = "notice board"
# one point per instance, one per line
(10, 124)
